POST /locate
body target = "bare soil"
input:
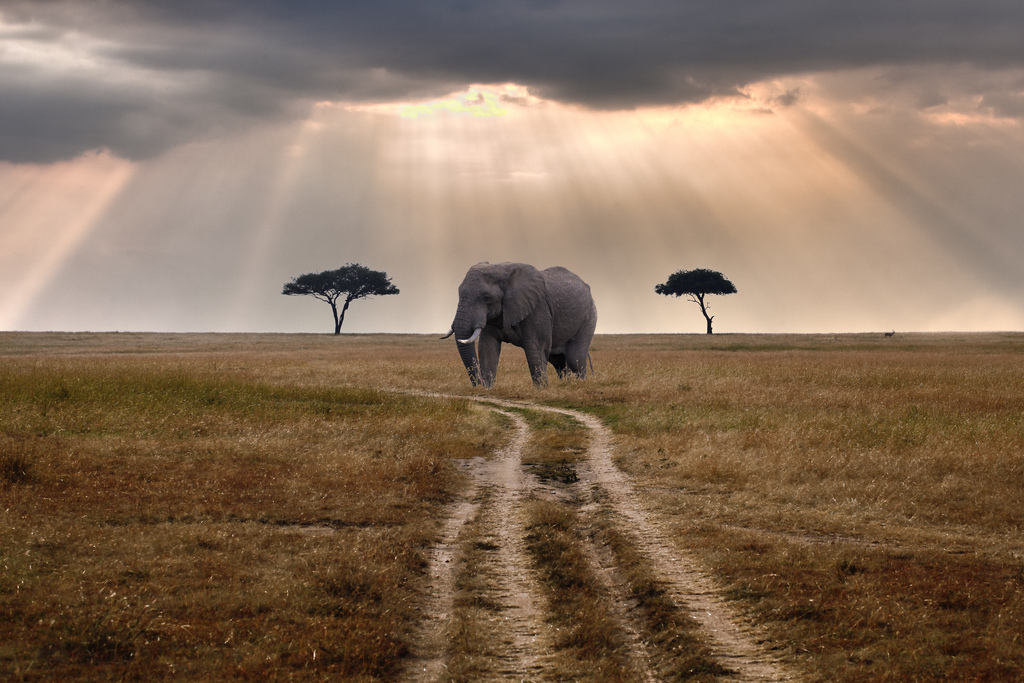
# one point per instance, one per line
(520, 623)
(497, 484)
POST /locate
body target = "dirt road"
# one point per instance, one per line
(491, 615)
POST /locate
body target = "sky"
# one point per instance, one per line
(168, 165)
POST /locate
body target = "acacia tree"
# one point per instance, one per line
(350, 282)
(696, 284)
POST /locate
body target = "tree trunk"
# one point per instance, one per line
(337, 323)
(340, 319)
(704, 310)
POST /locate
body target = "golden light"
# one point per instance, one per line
(782, 197)
(47, 213)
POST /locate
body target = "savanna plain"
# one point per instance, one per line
(210, 507)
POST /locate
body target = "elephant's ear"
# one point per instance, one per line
(524, 289)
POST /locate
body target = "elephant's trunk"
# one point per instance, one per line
(467, 351)
(467, 327)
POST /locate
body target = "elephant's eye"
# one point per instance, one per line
(488, 298)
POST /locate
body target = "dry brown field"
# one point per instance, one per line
(210, 507)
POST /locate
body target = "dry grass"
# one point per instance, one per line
(683, 653)
(208, 514)
(557, 444)
(859, 496)
(565, 536)
(590, 643)
(233, 506)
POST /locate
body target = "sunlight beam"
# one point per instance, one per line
(47, 218)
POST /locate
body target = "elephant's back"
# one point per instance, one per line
(565, 286)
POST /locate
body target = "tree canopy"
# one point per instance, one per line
(696, 284)
(352, 281)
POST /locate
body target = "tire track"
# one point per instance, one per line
(500, 484)
(620, 606)
(526, 638)
(733, 644)
(523, 617)
(429, 649)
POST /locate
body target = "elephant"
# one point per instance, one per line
(550, 314)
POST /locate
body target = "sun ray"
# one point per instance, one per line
(47, 213)
(263, 239)
(818, 223)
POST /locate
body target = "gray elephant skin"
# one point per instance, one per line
(550, 314)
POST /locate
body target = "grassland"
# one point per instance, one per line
(207, 509)
(242, 506)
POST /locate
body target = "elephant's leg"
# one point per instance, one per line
(576, 352)
(575, 365)
(578, 366)
(489, 349)
(558, 360)
(537, 355)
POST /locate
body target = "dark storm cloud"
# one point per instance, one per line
(168, 71)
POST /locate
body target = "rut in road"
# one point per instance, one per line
(518, 638)
(489, 614)
(733, 645)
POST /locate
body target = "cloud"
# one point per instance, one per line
(141, 77)
(475, 103)
(1007, 104)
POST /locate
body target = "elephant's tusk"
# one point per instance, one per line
(476, 335)
(450, 333)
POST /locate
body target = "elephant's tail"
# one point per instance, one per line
(591, 360)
